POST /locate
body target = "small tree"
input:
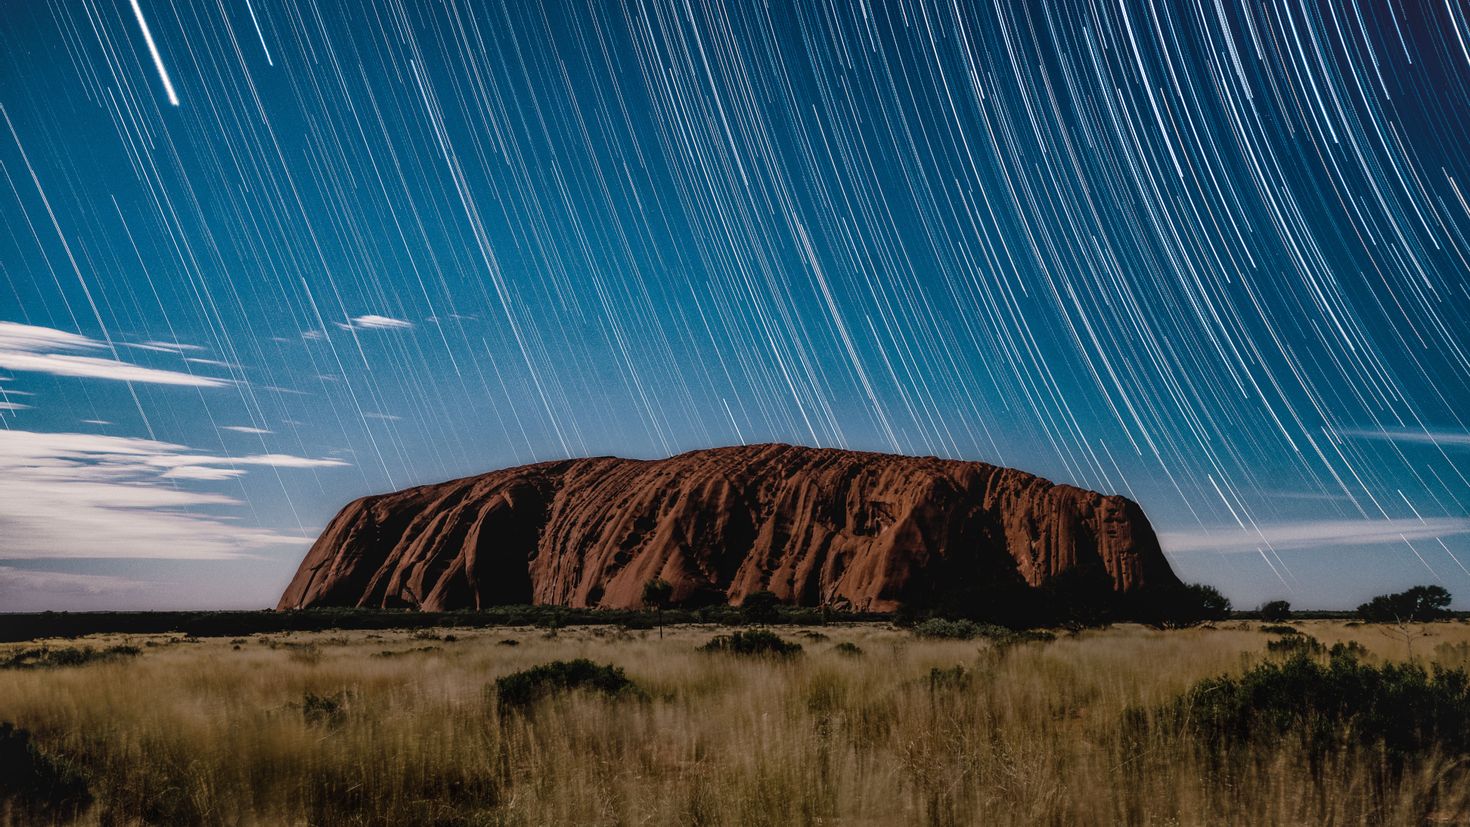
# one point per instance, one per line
(759, 607)
(656, 595)
(1275, 611)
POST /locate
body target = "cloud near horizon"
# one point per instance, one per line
(87, 495)
(30, 348)
(1312, 534)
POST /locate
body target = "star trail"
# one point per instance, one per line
(261, 258)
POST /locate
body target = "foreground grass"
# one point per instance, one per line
(406, 728)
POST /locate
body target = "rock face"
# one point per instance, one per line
(849, 530)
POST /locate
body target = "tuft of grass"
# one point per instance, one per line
(953, 677)
(752, 642)
(521, 690)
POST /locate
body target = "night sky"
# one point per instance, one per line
(259, 259)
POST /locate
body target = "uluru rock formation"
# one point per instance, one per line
(844, 529)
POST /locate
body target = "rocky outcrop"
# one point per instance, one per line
(845, 529)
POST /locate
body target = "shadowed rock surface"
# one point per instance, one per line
(845, 529)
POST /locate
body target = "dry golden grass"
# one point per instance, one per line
(214, 732)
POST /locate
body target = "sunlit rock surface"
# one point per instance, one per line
(845, 529)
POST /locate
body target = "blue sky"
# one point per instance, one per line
(1212, 258)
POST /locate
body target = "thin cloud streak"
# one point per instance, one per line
(88, 495)
(30, 348)
(1444, 439)
(1313, 534)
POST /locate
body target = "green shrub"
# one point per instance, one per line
(35, 784)
(43, 657)
(760, 607)
(999, 636)
(945, 629)
(1296, 643)
(324, 710)
(1280, 629)
(752, 642)
(1401, 709)
(520, 690)
(848, 648)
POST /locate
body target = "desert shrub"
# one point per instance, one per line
(36, 784)
(510, 641)
(1420, 603)
(1399, 708)
(752, 642)
(523, 689)
(1003, 639)
(848, 648)
(1296, 643)
(946, 629)
(760, 607)
(639, 622)
(1280, 629)
(1275, 611)
(43, 657)
(324, 710)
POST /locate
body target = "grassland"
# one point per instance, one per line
(404, 727)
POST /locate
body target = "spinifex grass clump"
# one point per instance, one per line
(43, 657)
(521, 690)
(1399, 708)
(36, 784)
(752, 642)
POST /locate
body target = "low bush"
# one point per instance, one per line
(847, 648)
(36, 786)
(43, 657)
(1296, 644)
(999, 636)
(1398, 708)
(521, 690)
(1280, 629)
(946, 629)
(324, 710)
(752, 642)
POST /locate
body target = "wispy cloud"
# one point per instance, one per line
(244, 429)
(16, 584)
(36, 349)
(373, 321)
(1444, 439)
(88, 495)
(1311, 534)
